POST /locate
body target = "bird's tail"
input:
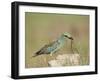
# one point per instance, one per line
(40, 52)
(36, 54)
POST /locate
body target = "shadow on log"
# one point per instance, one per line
(65, 60)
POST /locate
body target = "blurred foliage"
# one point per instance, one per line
(42, 28)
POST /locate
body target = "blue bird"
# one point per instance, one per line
(54, 46)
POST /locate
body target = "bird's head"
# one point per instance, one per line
(67, 35)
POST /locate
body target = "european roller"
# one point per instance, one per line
(54, 46)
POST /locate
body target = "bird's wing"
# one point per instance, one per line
(46, 49)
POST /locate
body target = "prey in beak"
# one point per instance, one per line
(69, 37)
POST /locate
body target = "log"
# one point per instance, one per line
(65, 60)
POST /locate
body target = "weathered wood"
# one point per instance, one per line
(65, 60)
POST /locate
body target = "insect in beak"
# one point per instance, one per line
(69, 37)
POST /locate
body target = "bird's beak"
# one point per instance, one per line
(70, 38)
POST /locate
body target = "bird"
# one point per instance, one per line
(54, 46)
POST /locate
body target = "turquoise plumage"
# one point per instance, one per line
(54, 46)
